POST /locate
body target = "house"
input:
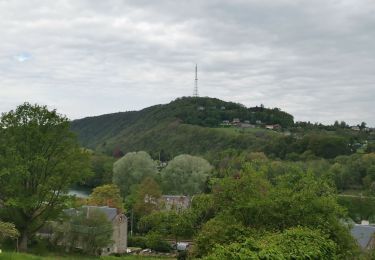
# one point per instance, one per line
(273, 127)
(236, 121)
(364, 235)
(176, 202)
(119, 225)
(200, 108)
(355, 128)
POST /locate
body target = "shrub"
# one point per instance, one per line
(156, 242)
(136, 241)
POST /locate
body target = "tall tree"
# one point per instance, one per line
(147, 197)
(107, 195)
(88, 228)
(185, 174)
(131, 169)
(39, 160)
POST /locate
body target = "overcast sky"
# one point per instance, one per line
(313, 59)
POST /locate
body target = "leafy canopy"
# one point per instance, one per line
(88, 228)
(39, 160)
(106, 195)
(185, 174)
(131, 169)
(293, 243)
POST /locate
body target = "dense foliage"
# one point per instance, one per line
(252, 193)
(131, 169)
(106, 195)
(39, 160)
(193, 126)
(88, 228)
(175, 128)
(185, 174)
(248, 205)
(293, 243)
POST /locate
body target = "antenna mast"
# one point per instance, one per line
(195, 94)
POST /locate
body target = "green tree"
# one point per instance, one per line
(39, 160)
(219, 230)
(294, 243)
(295, 199)
(106, 195)
(131, 169)
(170, 223)
(102, 167)
(147, 197)
(185, 174)
(87, 228)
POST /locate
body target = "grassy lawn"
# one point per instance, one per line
(19, 256)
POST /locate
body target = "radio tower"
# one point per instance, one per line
(195, 94)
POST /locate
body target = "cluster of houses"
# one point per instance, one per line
(365, 129)
(236, 122)
(363, 233)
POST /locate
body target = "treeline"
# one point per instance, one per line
(349, 172)
(261, 206)
(245, 204)
(177, 127)
(309, 146)
(190, 126)
(211, 112)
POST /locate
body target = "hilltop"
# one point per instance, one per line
(208, 126)
(185, 125)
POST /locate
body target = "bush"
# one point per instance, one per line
(182, 255)
(156, 242)
(137, 242)
(40, 246)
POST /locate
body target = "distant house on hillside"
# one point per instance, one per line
(355, 128)
(236, 121)
(364, 234)
(176, 202)
(273, 127)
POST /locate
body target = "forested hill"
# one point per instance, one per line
(186, 125)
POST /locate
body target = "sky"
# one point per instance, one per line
(313, 59)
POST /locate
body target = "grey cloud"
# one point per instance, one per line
(314, 59)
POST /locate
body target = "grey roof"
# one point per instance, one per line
(110, 213)
(363, 234)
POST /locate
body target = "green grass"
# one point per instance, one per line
(19, 256)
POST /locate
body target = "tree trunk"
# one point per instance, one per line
(23, 242)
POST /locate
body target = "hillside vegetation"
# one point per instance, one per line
(194, 126)
(186, 125)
